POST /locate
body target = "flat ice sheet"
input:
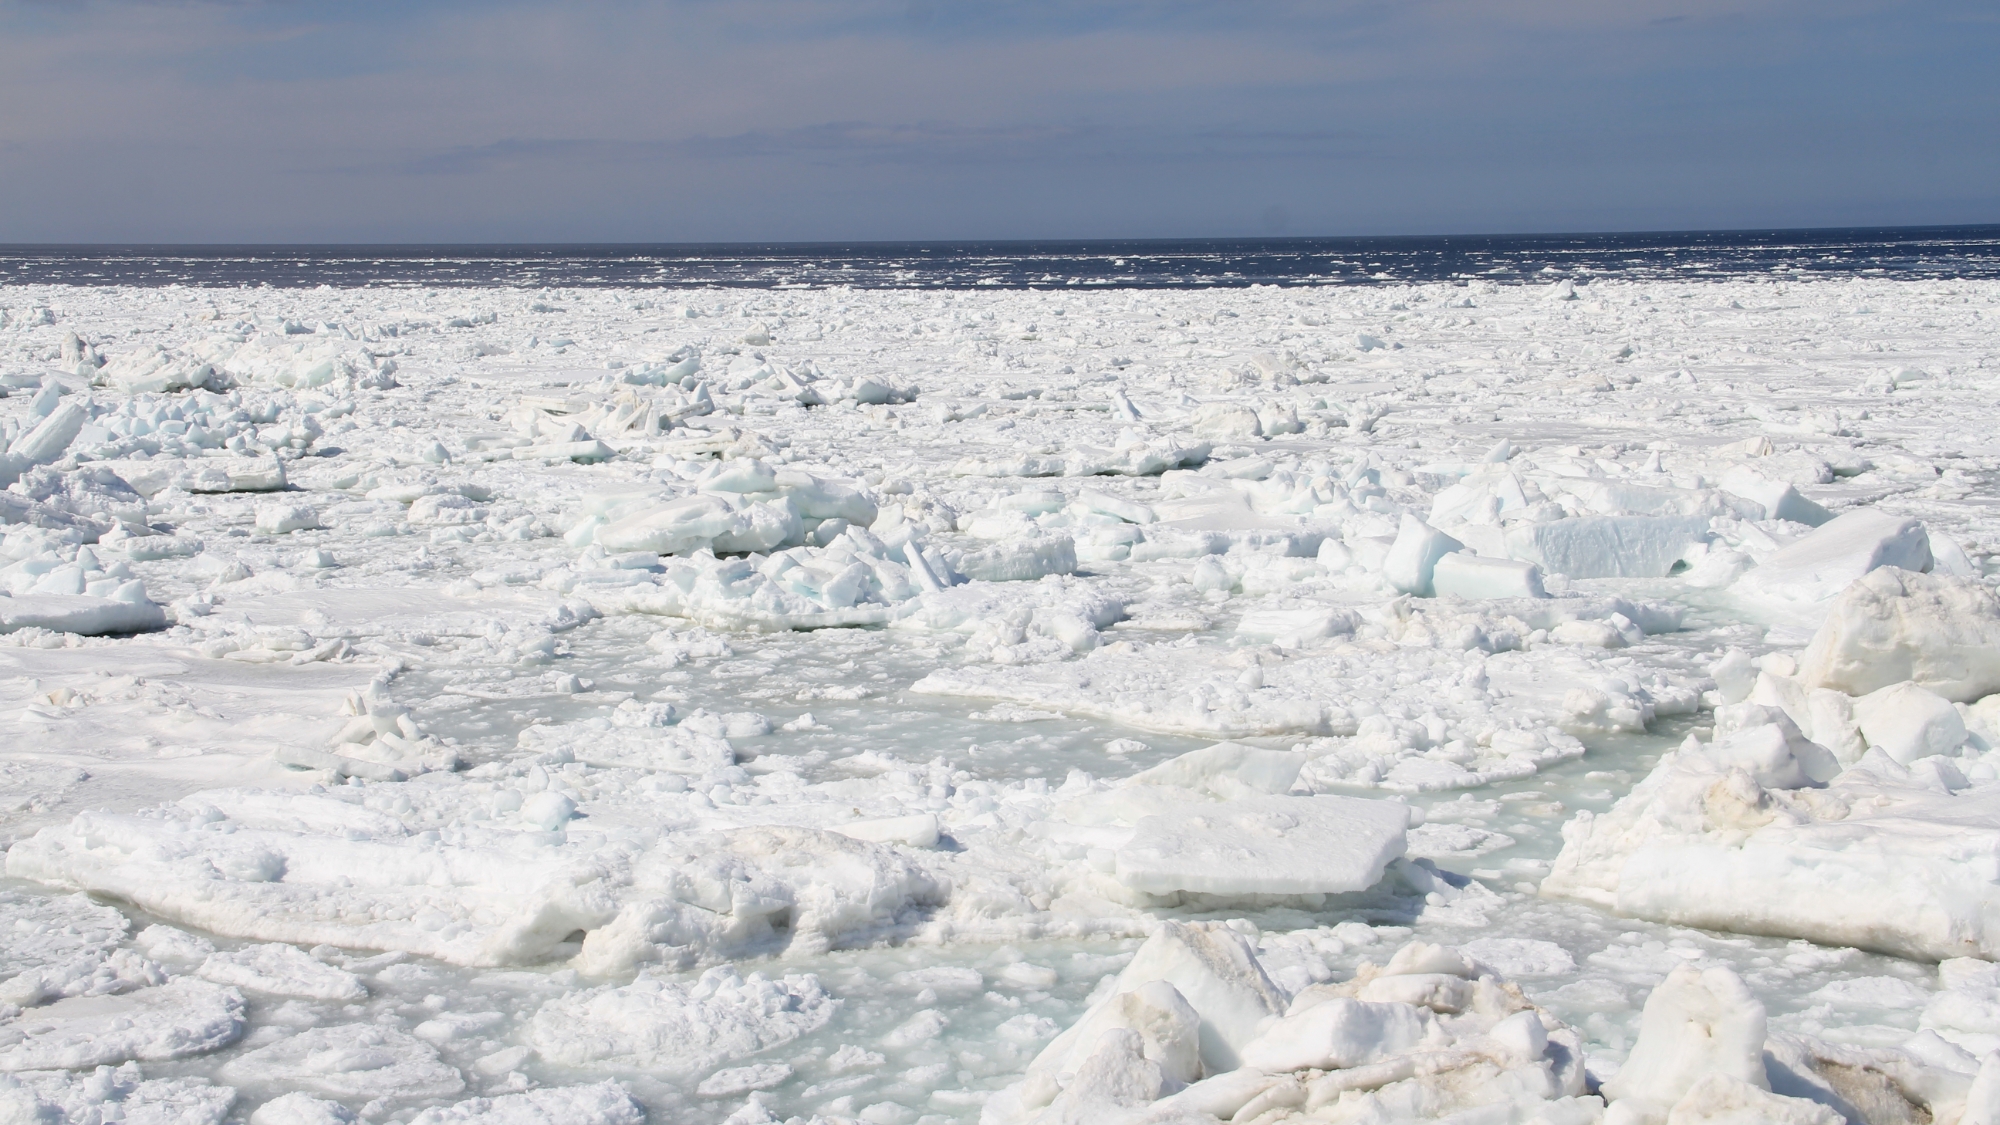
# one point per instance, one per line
(1270, 845)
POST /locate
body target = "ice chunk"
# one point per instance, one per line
(177, 1019)
(919, 830)
(1698, 1023)
(1294, 627)
(1779, 499)
(1883, 863)
(1766, 754)
(361, 1060)
(1734, 675)
(1464, 575)
(55, 944)
(1116, 1075)
(1167, 1026)
(1335, 1035)
(849, 582)
(1130, 511)
(1388, 1059)
(277, 519)
(150, 478)
(1892, 625)
(744, 474)
(1818, 566)
(1319, 690)
(1021, 561)
(817, 498)
(682, 1029)
(1906, 722)
(1214, 969)
(1607, 546)
(683, 526)
(1414, 556)
(1226, 420)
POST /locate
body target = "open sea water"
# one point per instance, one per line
(1905, 252)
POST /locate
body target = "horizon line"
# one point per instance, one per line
(17, 247)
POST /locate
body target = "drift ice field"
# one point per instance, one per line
(1468, 703)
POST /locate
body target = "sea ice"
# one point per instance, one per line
(569, 705)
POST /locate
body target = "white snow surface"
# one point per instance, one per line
(1430, 703)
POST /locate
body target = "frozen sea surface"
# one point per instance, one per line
(488, 702)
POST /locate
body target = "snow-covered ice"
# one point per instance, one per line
(1416, 703)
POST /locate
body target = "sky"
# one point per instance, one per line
(830, 120)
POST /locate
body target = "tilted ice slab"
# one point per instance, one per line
(1812, 570)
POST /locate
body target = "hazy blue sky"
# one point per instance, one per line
(684, 120)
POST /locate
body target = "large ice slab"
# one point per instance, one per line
(435, 879)
(1607, 546)
(1877, 859)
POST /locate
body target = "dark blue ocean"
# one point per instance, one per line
(1899, 252)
